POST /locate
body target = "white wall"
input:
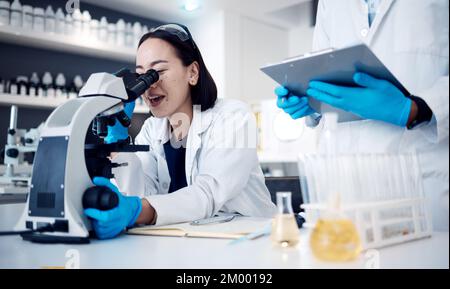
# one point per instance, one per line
(261, 44)
(209, 34)
(234, 47)
(300, 40)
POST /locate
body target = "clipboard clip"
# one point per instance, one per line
(309, 54)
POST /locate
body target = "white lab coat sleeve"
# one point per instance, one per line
(321, 39)
(437, 98)
(139, 176)
(225, 162)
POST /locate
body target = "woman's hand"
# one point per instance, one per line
(109, 224)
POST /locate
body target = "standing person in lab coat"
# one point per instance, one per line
(411, 38)
(202, 157)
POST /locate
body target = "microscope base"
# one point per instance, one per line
(47, 239)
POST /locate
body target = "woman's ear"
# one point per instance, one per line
(193, 73)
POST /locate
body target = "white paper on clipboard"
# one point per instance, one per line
(336, 66)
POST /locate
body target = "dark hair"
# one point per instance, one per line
(205, 92)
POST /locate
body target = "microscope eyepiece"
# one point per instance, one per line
(136, 84)
(144, 82)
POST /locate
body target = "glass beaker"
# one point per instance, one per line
(335, 238)
(285, 232)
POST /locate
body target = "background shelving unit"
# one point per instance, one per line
(58, 42)
(24, 51)
(48, 102)
(76, 44)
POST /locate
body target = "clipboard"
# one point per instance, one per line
(336, 66)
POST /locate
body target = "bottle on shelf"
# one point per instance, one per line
(27, 17)
(129, 36)
(71, 91)
(74, 88)
(12, 87)
(137, 33)
(5, 9)
(78, 82)
(50, 20)
(39, 19)
(6, 86)
(60, 83)
(77, 21)
(22, 85)
(68, 26)
(120, 32)
(2, 86)
(40, 90)
(103, 30)
(86, 23)
(60, 21)
(16, 14)
(144, 30)
(112, 35)
(34, 84)
(47, 81)
(94, 27)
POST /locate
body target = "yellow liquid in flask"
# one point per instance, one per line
(335, 240)
(285, 232)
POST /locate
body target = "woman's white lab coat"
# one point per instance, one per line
(222, 168)
(411, 38)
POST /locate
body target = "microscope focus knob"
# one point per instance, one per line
(12, 153)
(101, 198)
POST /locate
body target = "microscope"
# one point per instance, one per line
(61, 185)
(20, 143)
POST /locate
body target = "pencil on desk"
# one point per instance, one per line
(253, 236)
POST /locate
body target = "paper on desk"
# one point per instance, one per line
(237, 228)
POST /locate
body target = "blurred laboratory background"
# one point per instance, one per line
(43, 64)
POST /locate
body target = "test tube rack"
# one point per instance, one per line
(382, 194)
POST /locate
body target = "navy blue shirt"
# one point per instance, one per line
(176, 160)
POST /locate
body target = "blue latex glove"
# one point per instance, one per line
(297, 107)
(118, 132)
(108, 224)
(375, 98)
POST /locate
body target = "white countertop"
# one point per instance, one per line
(130, 251)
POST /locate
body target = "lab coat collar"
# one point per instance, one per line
(385, 5)
(200, 120)
(164, 131)
(361, 19)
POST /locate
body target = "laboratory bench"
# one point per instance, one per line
(131, 251)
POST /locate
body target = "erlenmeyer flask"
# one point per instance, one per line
(285, 232)
(335, 237)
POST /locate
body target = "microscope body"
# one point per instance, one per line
(61, 173)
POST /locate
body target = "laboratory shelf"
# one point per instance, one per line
(30, 101)
(76, 44)
(48, 102)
